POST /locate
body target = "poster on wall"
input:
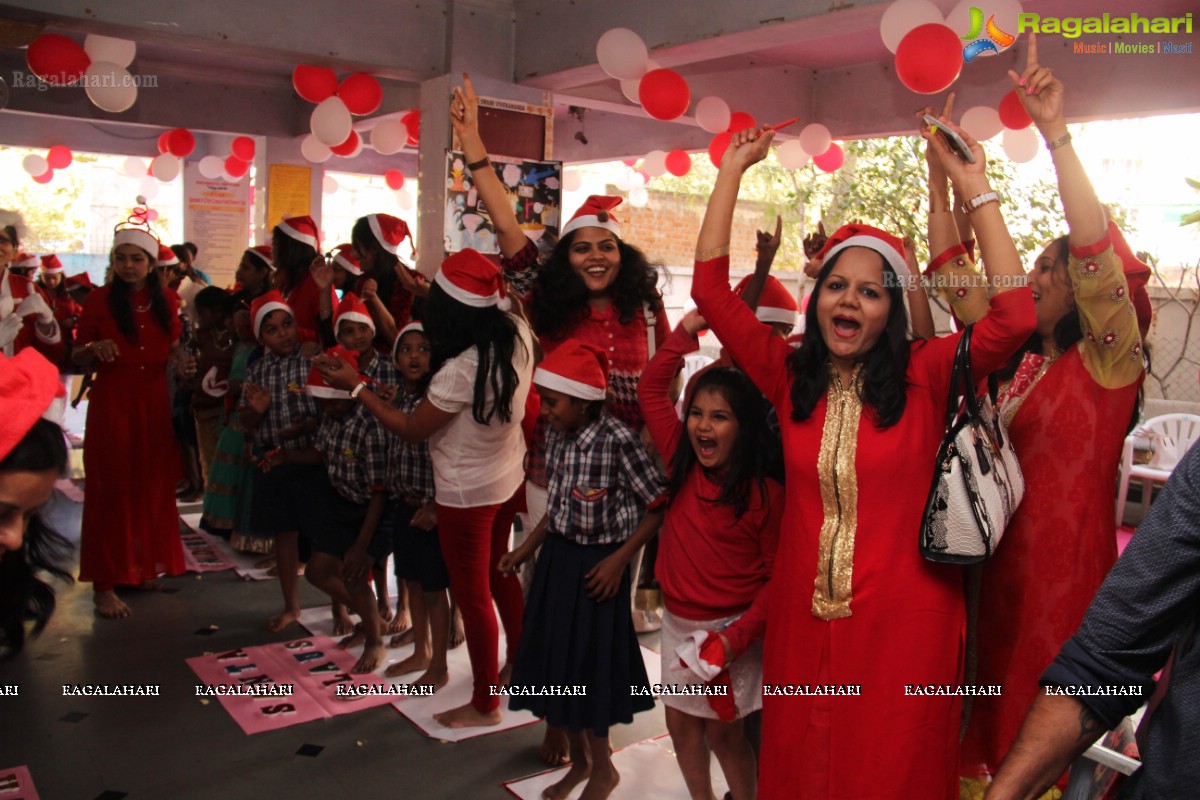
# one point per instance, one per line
(534, 191)
(289, 192)
(216, 216)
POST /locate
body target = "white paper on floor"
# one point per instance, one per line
(243, 563)
(647, 769)
(420, 710)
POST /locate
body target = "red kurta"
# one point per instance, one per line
(130, 523)
(852, 602)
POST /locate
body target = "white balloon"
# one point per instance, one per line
(165, 167)
(35, 165)
(815, 139)
(655, 163)
(712, 114)
(1021, 145)
(904, 15)
(622, 54)
(389, 137)
(329, 185)
(630, 88)
(638, 196)
(331, 122)
(623, 179)
(211, 167)
(982, 122)
(110, 87)
(313, 150)
(225, 176)
(404, 199)
(133, 167)
(1005, 13)
(636, 179)
(106, 48)
(791, 154)
(571, 181)
(148, 188)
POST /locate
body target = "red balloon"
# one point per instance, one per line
(739, 121)
(314, 84)
(162, 142)
(1012, 112)
(831, 160)
(716, 148)
(412, 123)
(59, 157)
(679, 163)
(180, 142)
(45, 177)
(347, 147)
(56, 59)
(236, 167)
(151, 214)
(243, 147)
(664, 94)
(361, 93)
(395, 179)
(929, 58)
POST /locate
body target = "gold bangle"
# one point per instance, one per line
(715, 252)
(1059, 142)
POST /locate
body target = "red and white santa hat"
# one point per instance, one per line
(575, 369)
(51, 265)
(25, 261)
(389, 231)
(137, 236)
(775, 304)
(30, 389)
(596, 212)
(351, 309)
(858, 235)
(318, 387)
(263, 305)
(263, 253)
(471, 279)
(166, 257)
(411, 327)
(344, 257)
(302, 229)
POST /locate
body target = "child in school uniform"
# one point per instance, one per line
(578, 628)
(282, 417)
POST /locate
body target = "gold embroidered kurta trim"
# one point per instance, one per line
(839, 496)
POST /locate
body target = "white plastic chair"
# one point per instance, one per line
(1183, 429)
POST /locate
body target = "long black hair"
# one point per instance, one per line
(385, 264)
(292, 257)
(560, 297)
(23, 595)
(757, 452)
(120, 302)
(452, 327)
(883, 381)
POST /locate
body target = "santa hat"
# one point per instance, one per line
(1137, 275)
(351, 309)
(264, 254)
(775, 304)
(302, 229)
(595, 213)
(389, 231)
(29, 391)
(25, 261)
(409, 328)
(318, 387)
(264, 304)
(139, 237)
(575, 369)
(471, 279)
(856, 235)
(343, 256)
(51, 265)
(82, 279)
(703, 653)
(166, 257)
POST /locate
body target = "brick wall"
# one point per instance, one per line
(666, 228)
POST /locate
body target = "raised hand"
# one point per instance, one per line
(746, 148)
(368, 290)
(322, 273)
(1041, 93)
(256, 397)
(955, 167)
(337, 373)
(464, 108)
(692, 322)
(936, 172)
(768, 243)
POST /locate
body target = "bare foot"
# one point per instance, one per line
(385, 611)
(505, 675)
(401, 639)
(411, 664)
(283, 619)
(109, 606)
(435, 678)
(265, 563)
(400, 623)
(466, 716)
(556, 747)
(577, 774)
(458, 634)
(602, 783)
(359, 636)
(370, 660)
(342, 624)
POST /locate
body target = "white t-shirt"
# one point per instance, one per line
(473, 464)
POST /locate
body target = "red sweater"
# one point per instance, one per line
(711, 562)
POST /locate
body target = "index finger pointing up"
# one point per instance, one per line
(1031, 60)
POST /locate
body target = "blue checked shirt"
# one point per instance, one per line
(412, 469)
(601, 481)
(383, 371)
(285, 378)
(355, 451)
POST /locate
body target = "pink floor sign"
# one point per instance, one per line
(16, 783)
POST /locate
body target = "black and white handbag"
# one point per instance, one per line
(977, 481)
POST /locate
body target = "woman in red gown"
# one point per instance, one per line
(854, 607)
(128, 330)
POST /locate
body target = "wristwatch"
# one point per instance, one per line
(357, 389)
(978, 201)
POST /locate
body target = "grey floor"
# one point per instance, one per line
(176, 746)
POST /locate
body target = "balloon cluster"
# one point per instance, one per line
(233, 167)
(41, 168)
(331, 122)
(663, 93)
(1019, 140)
(100, 64)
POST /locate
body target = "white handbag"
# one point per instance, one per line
(977, 481)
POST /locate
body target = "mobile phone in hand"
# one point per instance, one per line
(951, 138)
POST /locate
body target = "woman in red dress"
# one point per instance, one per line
(854, 607)
(128, 330)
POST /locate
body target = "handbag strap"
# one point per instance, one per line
(962, 366)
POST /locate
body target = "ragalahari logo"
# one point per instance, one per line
(996, 40)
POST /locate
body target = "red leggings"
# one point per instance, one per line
(473, 539)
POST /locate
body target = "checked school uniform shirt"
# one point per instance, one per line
(355, 450)
(284, 377)
(412, 469)
(601, 482)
